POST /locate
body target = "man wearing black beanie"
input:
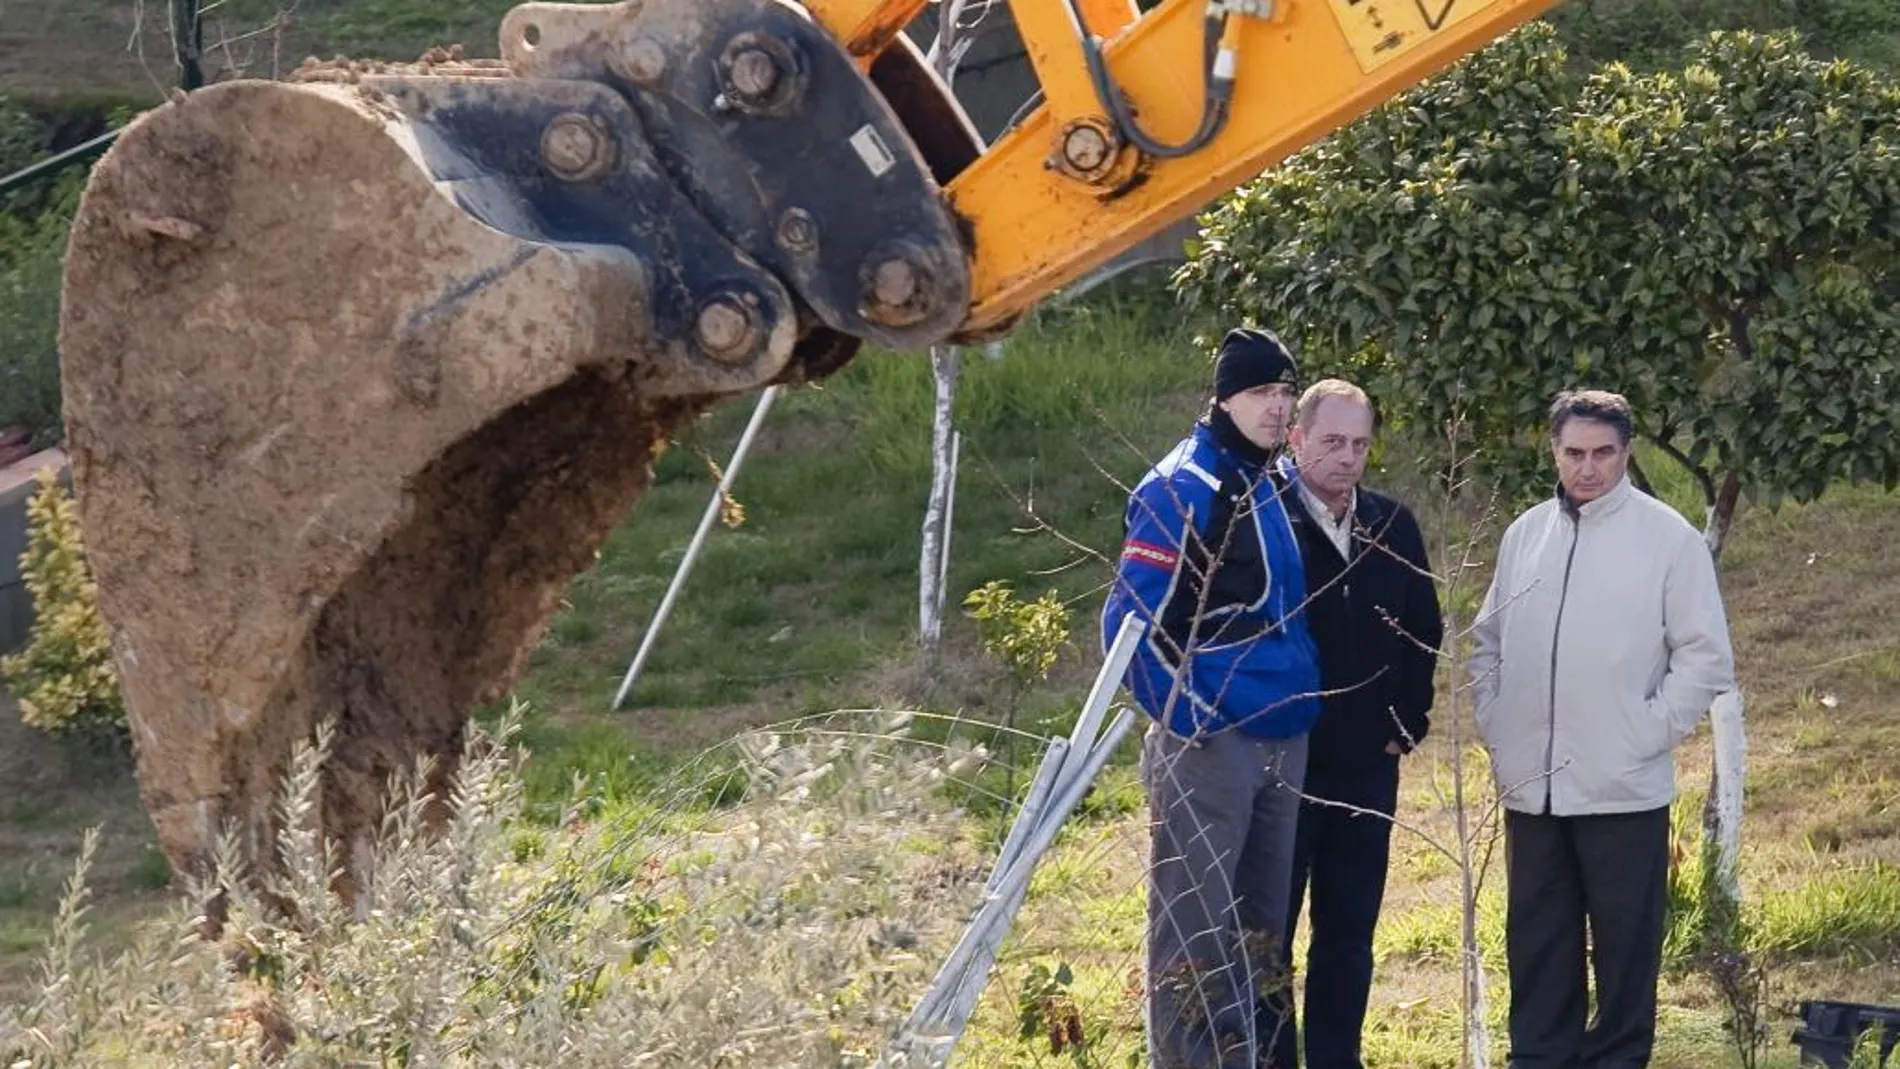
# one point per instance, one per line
(1229, 677)
(1248, 358)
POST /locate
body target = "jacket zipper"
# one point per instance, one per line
(1556, 631)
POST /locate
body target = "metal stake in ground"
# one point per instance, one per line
(926, 1039)
(699, 540)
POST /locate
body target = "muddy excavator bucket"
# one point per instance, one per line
(361, 367)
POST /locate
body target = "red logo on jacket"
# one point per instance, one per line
(1147, 553)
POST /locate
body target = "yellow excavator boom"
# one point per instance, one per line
(1223, 89)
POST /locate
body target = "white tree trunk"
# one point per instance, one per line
(1478, 1031)
(933, 564)
(1725, 791)
(1722, 810)
(944, 361)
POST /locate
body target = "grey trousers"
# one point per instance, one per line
(1223, 813)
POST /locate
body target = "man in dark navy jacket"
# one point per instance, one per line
(1373, 612)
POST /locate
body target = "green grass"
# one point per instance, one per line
(797, 609)
(1851, 912)
(30, 271)
(19, 890)
(839, 477)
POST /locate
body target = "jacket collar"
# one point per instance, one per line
(1220, 428)
(1611, 500)
(1368, 514)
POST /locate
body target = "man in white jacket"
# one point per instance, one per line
(1602, 642)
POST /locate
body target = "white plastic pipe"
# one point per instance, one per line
(699, 540)
(977, 955)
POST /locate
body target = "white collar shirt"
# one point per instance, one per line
(1338, 531)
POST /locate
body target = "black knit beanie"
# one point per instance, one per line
(1249, 358)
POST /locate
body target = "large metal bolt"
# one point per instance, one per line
(1085, 148)
(641, 62)
(576, 148)
(797, 231)
(896, 291)
(727, 328)
(894, 283)
(754, 74)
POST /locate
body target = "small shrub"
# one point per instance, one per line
(33, 225)
(1047, 1011)
(64, 681)
(797, 926)
(1024, 635)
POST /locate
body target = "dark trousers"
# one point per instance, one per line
(1342, 855)
(1610, 873)
(1224, 814)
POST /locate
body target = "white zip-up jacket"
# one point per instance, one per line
(1601, 644)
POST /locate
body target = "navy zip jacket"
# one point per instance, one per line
(1376, 621)
(1211, 565)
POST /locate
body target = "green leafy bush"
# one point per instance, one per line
(1715, 242)
(1025, 636)
(33, 224)
(29, 330)
(64, 680)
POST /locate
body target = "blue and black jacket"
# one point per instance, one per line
(1212, 566)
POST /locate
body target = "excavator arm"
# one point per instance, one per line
(362, 366)
(1145, 119)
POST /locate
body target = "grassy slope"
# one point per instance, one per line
(810, 605)
(811, 602)
(1811, 605)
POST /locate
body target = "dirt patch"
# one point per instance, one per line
(442, 61)
(104, 49)
(53, 47)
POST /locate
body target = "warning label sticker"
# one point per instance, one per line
(1381, 31)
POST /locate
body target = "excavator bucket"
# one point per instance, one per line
(361, 367)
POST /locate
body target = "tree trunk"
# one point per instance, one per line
(1722, 815)
(944, 361)
(1460, 729)
(952, 42)
(188, 43)
(1722, 514)
(1722, 809)
(1640, 478)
